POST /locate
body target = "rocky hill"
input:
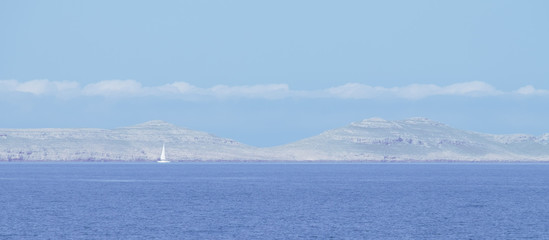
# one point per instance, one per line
(141, 142)
(415, 139)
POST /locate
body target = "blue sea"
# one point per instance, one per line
(274, 201)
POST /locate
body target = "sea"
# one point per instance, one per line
(274, 201)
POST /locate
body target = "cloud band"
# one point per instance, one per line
(132, 88)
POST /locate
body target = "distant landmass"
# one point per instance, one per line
(415, 139)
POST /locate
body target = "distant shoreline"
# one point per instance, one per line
(292, 162)
(369, 140)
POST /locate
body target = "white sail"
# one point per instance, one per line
(163, 155)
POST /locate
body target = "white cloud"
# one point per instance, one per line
(36, 87)
(40, 87)
(114, 88)
(470, 88)
(417, 91)
(356, 90)
(184, 90)
(414, 91)
(8, 85)
(179, 87)
(530, 90)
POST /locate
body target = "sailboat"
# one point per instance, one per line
(163, 156)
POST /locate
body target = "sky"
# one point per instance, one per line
(267, 73)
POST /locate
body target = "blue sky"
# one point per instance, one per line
(271, 72)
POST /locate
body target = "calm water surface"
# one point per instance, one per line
(273, 201)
